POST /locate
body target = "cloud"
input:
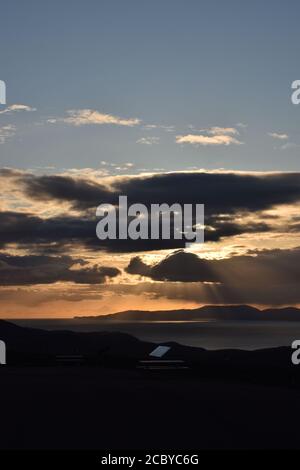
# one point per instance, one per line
(82, 117)
(247, 191)
(29, 229)
(148, 140)
(180, 266)
(167, 128)
(65, 188)
(56, 217)
(28, 297)
(199, 293)
(6, 132)
(200, 139)
(150, 127)
(222, 131)
(288, 146)
(17, 108)
(32, 269)
(278, 267)
(72, 200)
(56, 234)
(211, 136)
(278, 136)
(283, 138)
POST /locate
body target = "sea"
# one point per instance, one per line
(205, 334)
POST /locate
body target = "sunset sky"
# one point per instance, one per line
(186, 102)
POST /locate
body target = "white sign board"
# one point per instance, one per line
(160, 351)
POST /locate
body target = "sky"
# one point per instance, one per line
(189, 99)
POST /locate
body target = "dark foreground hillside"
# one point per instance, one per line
(87, 407)
(224, 399)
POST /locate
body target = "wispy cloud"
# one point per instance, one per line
(6, 132)
(168, 128)
(214, 135)
(150, 127)
(284, 138)
(278, 136)
(17, 108)
(82, 117)
(288, 146)
(200, 139)
(148, 140)
(222, 130)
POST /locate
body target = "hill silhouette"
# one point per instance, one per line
(35, 346)
(241, 398)
(46, 343)
(208, 312)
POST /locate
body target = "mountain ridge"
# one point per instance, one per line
(208, 312)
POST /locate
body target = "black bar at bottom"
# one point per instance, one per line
(137, 459)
